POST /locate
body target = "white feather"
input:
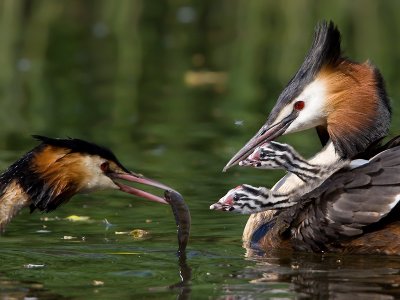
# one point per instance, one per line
(314, 113)
(96, 180)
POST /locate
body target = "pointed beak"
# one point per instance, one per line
(226, 202)
(132, 177)
(265, 134)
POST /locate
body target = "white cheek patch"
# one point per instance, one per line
(313, 114)
(96, 180)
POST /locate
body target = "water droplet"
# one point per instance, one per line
(239, 122)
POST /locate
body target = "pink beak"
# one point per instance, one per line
(132, 177)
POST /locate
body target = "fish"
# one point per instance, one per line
(182, 218)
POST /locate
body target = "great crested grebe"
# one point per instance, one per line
(57, 169)
(345, 101)
(355, 210)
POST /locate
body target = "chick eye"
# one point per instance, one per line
(236, 197)
(299, 105)
(105, 166)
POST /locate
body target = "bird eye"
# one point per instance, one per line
(105, 166)
(236, 197)
(299, 105)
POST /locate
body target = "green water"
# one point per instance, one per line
(174, 88)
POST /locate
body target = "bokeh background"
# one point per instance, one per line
(174, 88)
(118, 68)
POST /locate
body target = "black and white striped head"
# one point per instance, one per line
(244, 199)
(271, 155)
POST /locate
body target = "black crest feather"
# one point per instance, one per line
(80, 146)
(40, 192)
(325, 50)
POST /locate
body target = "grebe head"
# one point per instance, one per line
(57, 169)
(244, 199)
(345, 101)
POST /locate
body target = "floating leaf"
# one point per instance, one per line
(97, 282)
(122, 232)
(139, 233)
(34, 266)
(75, 218)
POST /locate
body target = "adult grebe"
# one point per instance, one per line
(57, 169)
(345, 101)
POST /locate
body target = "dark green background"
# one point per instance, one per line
(174, 88)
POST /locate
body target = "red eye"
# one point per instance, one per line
(105, 166)
(299, 105)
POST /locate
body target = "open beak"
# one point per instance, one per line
(265, 134)
(132, 177)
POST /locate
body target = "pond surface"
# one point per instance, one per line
(174, 88)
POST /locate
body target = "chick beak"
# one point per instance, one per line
(226, 202)
(223, 204)
(265, 134)
(132, 177)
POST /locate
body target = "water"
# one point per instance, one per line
(174, 89)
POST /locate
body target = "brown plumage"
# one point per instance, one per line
(57, 169)
(355, 209)
(352, 102)
(13, 199)
(381, 242)
(345, 101)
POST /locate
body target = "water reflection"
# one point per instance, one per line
(185, 273)
(319, 276)
(14, 289)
